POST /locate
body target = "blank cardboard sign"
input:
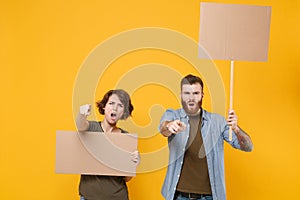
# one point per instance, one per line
(95, 153)
(234, 32)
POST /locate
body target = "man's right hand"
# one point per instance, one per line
(176, 126)
(85, 109)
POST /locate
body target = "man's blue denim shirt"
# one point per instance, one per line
(214, 131)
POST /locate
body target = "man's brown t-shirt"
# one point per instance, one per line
(194, 176)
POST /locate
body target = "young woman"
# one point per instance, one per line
(115, 105)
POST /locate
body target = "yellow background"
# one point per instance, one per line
(44, 43)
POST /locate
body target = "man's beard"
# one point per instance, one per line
(185, 106)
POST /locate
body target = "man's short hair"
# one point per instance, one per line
(191, 79)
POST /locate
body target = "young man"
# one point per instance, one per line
(196, 143)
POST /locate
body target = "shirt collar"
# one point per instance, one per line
(204, 115)
(184, 115)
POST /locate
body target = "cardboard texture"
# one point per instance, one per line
(95, 153)
(234, 32)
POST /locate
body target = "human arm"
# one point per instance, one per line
(82, 123)
(243, 138)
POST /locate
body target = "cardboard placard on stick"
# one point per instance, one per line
(234, 32)
(95, 153)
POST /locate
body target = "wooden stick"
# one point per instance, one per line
(231, 94)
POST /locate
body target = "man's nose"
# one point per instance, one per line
(191, 97)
